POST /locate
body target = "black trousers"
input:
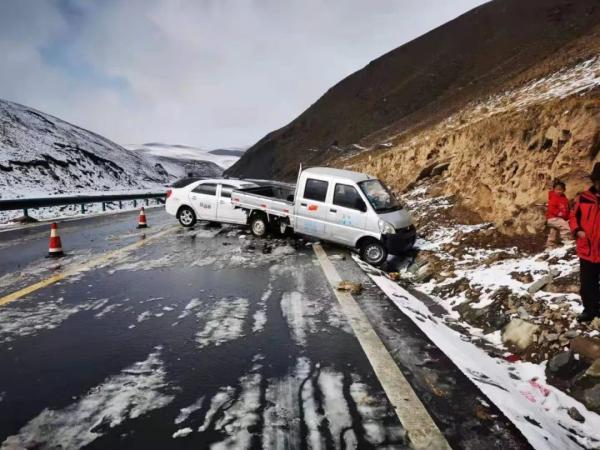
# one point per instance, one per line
(589, 276)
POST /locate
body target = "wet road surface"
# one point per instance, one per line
(207, 338)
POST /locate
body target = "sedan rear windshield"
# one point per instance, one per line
(380, 197)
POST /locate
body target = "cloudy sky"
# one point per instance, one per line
(210, 73)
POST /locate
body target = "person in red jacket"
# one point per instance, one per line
(585, 226)
(557, 215)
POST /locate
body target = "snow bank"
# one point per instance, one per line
(519, 389)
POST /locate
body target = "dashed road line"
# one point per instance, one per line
(69, 272)
(420, 427)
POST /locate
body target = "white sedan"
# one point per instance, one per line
(207, 199)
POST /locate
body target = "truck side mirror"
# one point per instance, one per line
(360, 205)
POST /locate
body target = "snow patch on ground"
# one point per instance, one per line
(281, 428)
(182, 432)
(225, 322)
(218, 403)
(518, 389)
(107, 310)
(134, 392)
(203, 262)
(28, 318)
(191, 306)
(185, 413)
(135, 263)
(260, 319)
(292, 306)
(335, 406)
(143, 316)
(242, 416)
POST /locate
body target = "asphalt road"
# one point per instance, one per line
(206, 337)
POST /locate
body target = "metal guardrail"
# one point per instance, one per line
(31, 203)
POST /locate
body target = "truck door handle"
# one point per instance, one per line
(333, 210)
(302, 204)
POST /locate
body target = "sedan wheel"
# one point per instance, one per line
(187, 217)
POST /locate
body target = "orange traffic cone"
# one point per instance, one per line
(55, 246)
(142, 219)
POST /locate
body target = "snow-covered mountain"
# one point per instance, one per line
(41, 155)
(175, 157)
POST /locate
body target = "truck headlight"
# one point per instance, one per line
(386, 228)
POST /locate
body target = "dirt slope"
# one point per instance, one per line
(494, 47)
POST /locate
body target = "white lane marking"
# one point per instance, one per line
(420, 427)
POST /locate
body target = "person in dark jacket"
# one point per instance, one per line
(585, 226)
(557, 215)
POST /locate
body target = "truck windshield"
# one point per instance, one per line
(380, 196)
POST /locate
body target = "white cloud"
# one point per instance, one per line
(211, 72)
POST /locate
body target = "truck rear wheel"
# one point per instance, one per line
(373, 252)
(258, 225)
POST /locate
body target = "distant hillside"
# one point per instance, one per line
(175, 157)
(495, 47)
(41, 155)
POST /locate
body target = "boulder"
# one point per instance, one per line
(539, 284)
(519, 333)
(566, 284)
(563, 365)
(588, 348)
(522, 312)
(570, 334)
(594, 370)
(489, 319)
(575, 414)
(523, 277)
(424, 274)
(418, 262)
(591, 398)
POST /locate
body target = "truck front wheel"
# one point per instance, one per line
(373, 252)
(258, 225)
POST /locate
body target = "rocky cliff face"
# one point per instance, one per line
(500, 155)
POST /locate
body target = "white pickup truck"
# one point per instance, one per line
(349, 208)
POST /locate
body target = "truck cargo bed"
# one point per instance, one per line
(273, 199)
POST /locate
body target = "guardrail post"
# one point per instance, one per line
(82, 208)
(147, 202)
(25, 212)
(134, 203)
(120, 204)
(103, 206)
